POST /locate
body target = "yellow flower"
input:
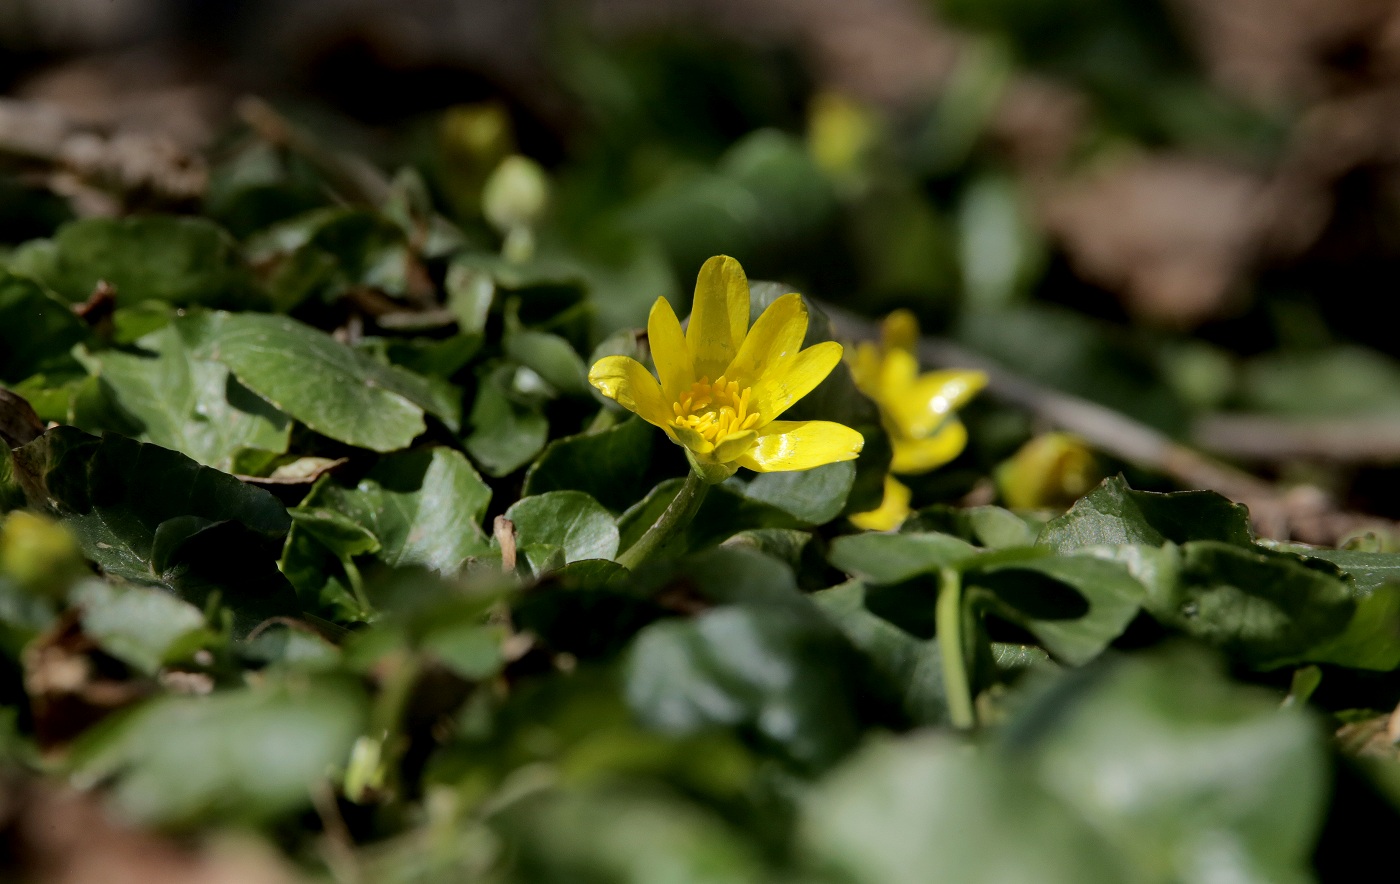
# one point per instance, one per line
(1052, 470)
(723, 383)
(916, 410)
(892, 511)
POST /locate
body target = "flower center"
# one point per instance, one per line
(715, 410)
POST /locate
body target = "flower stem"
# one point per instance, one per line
(951, 652)
(672, 521)
(357, 585)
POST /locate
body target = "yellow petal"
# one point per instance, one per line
(801, 445)
(692, 440)
(627, 381)
(730, 447)
(790, 380)
(719, 316)
(900, 331)
(1048, 471)
(898, 370)
(892, 511)
(865, 368)
(920, 408)
(669, 350)
(921, 455)
(776, 337)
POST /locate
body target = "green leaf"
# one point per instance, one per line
(505, 435)
(787, 545)
(987, 526)
(1368, 570)
(473, 651)
(435, 359)
(143, 627)
(1263, 608)
(1184, 773)
(782, 674)
(910, 666)
(1075, 605)
(608, 465)
(569, 520)
(188, 404)
(728, 575)
(250, 754)
(322, 253)
(470, 293)
(1372, 638)
(155, 517)
(339, 533)
(588, 609)
(326, 385)
(812, 497)
(36, 331)
(1115, 514)
(318, 558)
(926, 808)
(893, 558)
(622, 835)
(182, 261)
(425, 507)
(288, 646)
(551, 357)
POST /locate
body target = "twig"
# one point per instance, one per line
(337, 846)
(1304, 514)
(353, 178)
(1274, 439)
(504, 531)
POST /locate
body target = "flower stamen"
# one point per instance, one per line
(715, 410)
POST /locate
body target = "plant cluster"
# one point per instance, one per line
(368, 520)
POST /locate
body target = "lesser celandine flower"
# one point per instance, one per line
(1051, 470)
(916, 410)
(722, 384)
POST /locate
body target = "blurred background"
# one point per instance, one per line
(1185, 210)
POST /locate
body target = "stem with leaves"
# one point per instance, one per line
(671, 522)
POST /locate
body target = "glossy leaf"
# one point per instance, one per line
(910, 666)
(812, 497)
(1186, 774)
(1075, 605)
(569, 520)
(780, 674)
(326, 385)
(141, 626)
(424, 507)
(153, 516)
(505, 434)
(1113, 513)
(930, 809)
(179, 260)
(608, 465)
(1263, 608)
(891, 558)
(36, 331)
(182, 760)
(180, 401)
